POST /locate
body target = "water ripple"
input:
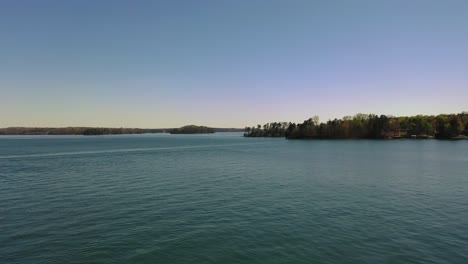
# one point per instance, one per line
(40, 155)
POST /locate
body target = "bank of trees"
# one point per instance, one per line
(268, 130)
(368, 126)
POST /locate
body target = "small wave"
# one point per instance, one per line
(75, 153)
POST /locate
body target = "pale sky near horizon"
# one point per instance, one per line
(157, 64)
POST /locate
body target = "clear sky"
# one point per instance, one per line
(230, 63)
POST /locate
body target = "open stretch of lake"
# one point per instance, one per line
(222, 198)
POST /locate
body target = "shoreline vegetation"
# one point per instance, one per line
(369, 126)
(95, 131)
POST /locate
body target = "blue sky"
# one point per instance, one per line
(228, 63)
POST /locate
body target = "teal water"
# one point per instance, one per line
(223, 198)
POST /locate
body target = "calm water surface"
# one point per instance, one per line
(223, 198)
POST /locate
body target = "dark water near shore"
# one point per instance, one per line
(223, 198)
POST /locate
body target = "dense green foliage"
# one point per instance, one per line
(192, 129)
(369, 126)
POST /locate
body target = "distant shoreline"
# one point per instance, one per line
(92, 131)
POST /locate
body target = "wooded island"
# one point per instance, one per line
(192, 129)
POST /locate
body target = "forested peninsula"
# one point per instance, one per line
(369, 126)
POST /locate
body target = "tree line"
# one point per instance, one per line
(368, 126)
(75, 131)
(88, 131)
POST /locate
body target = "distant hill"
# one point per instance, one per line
(192, 129)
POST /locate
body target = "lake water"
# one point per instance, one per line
(222, 198)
